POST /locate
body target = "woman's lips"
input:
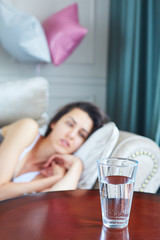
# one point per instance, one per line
(65, 143)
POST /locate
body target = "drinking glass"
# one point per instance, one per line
(116, 186)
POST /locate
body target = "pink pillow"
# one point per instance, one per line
(63, 33)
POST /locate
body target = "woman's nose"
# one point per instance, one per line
(72, 133)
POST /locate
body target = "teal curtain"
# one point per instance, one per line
(133, 81)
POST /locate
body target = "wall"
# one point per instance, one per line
(83, 75)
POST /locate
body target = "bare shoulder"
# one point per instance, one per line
(17, 136)
(27, 127)
(27, 122)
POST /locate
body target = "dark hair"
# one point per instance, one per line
(97, 116)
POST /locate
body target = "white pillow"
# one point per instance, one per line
(24, 98)
(22, 35)
(100, 144)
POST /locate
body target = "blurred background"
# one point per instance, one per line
(116, 66)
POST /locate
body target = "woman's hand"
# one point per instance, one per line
(53, 169)
(65, 161)
(73, 166)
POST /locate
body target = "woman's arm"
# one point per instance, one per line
(38, 184)
(57, 182)
(71, 178)
(11, 189)
(17, 137)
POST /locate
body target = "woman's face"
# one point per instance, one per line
(70, 131)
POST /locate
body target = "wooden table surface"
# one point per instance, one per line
(75, 215)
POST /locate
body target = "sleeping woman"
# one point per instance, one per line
(30, 162)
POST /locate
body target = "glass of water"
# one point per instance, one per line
(116, 186)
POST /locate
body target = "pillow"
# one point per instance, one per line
(100, 144)
(24, 98)
(63, 33)
(22, 35)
